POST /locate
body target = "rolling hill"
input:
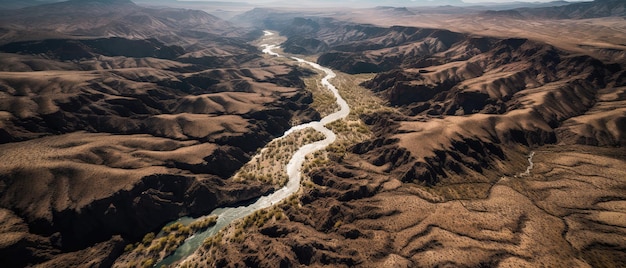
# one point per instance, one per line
(488, 151)
(119, 118)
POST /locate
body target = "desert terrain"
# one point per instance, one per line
(108, 133)
(499, 143)
(478, 136)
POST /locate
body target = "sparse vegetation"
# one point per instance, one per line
(268, 166)
(351, 130)
(273, 159)
(323, 100)
(361, 100)
(213, 240)
(203, 224)
(235, 233)
(154, 247)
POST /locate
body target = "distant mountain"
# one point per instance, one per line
(17, 4)
(357, 4)
(403, 3)
(103, 1)
(583, 10)
(187, 84)
(487, 4)
(111, 18)
(188, 3)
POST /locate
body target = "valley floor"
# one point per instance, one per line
(568, 211)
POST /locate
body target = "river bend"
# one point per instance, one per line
(229, 214)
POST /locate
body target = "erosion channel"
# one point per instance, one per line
(293, 168)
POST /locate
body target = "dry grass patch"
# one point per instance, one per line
(155, 247)
(324, 101)
(351, 130)
(268, 166)
(236, 232)
(361, 100)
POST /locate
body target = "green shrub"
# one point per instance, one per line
(147, 239)
(147, 263)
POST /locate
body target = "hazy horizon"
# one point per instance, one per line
(372, 3)
(385, 1)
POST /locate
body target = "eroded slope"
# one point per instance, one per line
(442, 181)
(104, 139)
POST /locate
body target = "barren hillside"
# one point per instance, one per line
(113, 125)
(502, 149)
(477, 138)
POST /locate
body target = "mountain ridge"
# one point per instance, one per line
(441, 180)
(120, 18)
(145, 114)
(583, 10)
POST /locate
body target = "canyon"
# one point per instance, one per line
(112, 128)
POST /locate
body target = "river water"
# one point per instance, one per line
(229, 214)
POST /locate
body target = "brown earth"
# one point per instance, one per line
(158, 152)
(442, 181)
(107, 145)
(104, 139)
(568, 213)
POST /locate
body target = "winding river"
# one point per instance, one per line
(229, 214)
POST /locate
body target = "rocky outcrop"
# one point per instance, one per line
(324, 210)
(403, 88)
(465, 155)
(18, 247)
(346, 63)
